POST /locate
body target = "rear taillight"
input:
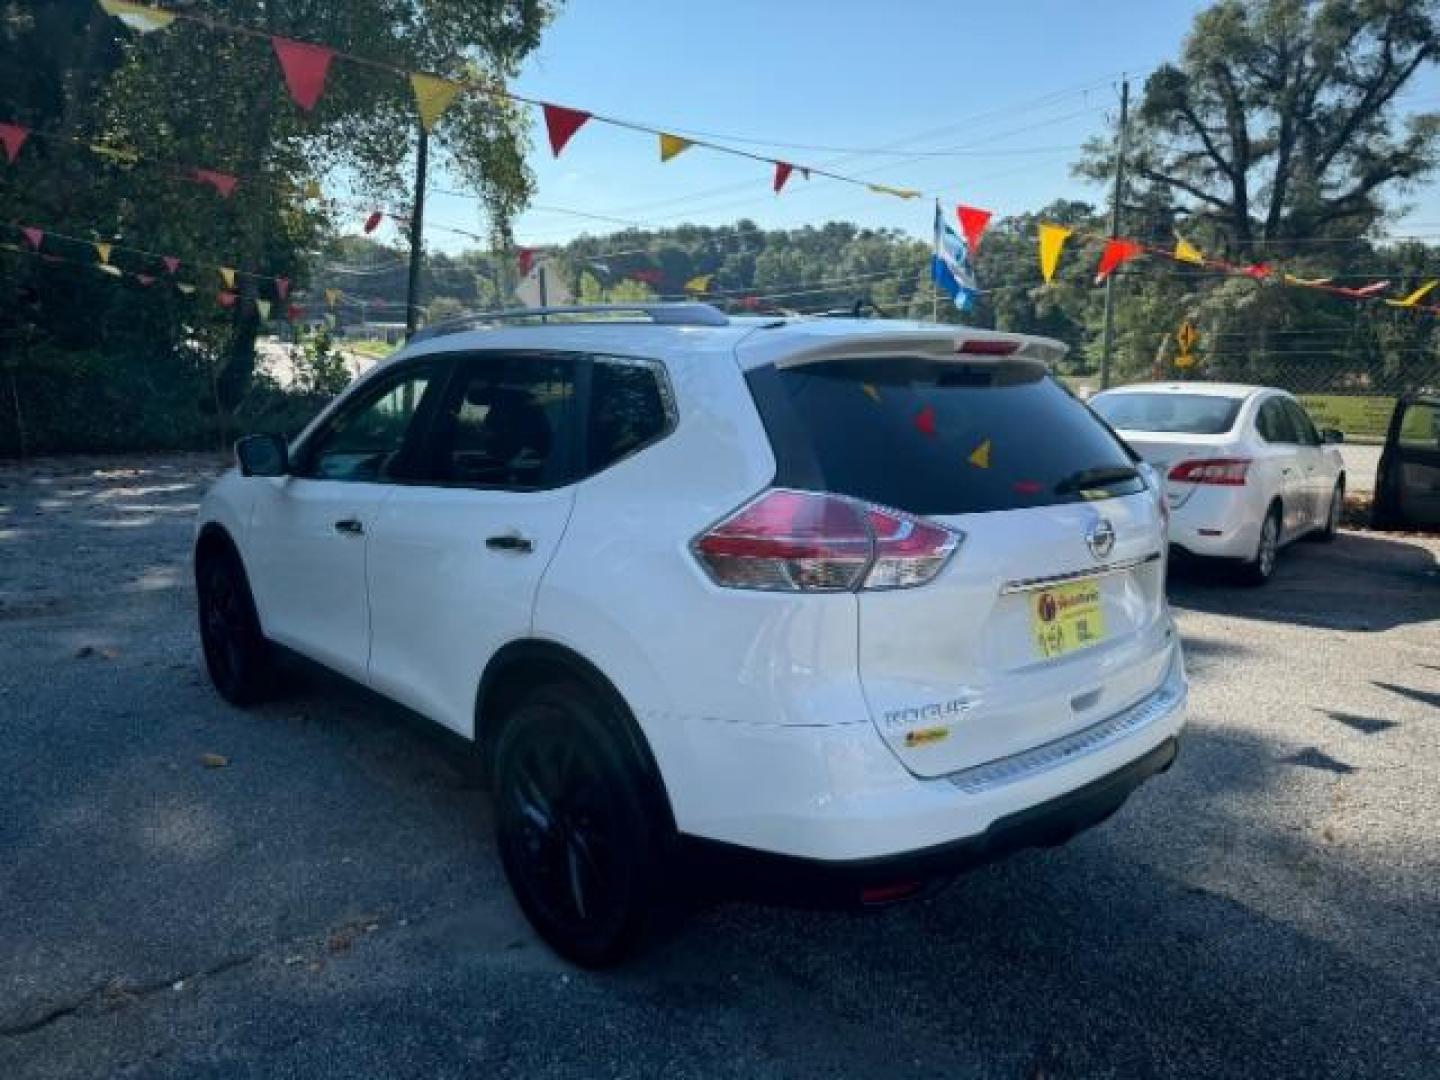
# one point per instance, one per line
(1227, 472)
(805, 541)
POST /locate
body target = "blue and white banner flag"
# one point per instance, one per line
(951, 266)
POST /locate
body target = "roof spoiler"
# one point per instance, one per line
(955, 346)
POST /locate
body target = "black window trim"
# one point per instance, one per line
(365, 394)
(584, 360)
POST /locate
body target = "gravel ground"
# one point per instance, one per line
(328, 902)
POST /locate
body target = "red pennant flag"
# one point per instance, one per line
(13, 136)
(1115, 253)
(783, 169)
(561, 124)
(145, 279)
(282, 287)
(525, 258)
(925, 421)
(750, 302)
(972, 225)
(1258, 271)
(650, 277)
(172, 264)
(373, 221)
(224, 183)
(226, 299)
(305, 67)
(34, 235)
(1369, 290)
(293, 312)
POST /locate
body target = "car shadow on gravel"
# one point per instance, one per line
(1361, 582)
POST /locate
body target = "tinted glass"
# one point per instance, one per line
(626, 410)
(1192, 414)
(508, 423)
(365, 441)
(939, 438)
(1274, 423)
(1420, 428)
(1305, 432)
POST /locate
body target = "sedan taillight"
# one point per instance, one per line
(805, 541)
(1227, 472)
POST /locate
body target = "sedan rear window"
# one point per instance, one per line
(938, 438)
(1187, 414)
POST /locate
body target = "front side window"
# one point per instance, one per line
(507, 423)
(366, 440)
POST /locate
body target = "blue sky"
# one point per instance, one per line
(1005, 92)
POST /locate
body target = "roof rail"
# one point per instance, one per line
(676, 314)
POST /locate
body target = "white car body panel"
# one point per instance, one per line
(766, 712)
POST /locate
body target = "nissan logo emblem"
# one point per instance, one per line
(1101, 539)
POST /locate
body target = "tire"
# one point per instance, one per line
(1332, 515)
(238, 658)
(576, 827)
(1258, 570)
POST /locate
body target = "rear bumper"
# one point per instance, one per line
(838, 795)
(1218, 522)
(734, 870)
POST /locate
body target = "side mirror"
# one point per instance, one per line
(262, 455)
(1332, 435)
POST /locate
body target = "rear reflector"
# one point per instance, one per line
(806, 541)
(987, 347)
(887, 894)
(1226, 472)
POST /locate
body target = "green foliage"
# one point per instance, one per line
(319, 367)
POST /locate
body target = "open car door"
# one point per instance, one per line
(1407, 485)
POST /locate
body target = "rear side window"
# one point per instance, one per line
(1305, 433)
(627, 410)
(1189, 414)
(938, 438)
(1275, 424)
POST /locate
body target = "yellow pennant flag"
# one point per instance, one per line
(670, 145)
(263, 306)
(141, 17)
(332, 296)
(1187, 252)
(699, 283)
(103, 250)
(433, 96)
(871, 392)
(1052, 241)
(980, 456)
(898, 192)
(227, 275)
(1415, 297)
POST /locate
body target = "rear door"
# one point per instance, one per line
(1050, 616)
(1278, 465)
(1318, 476)
(456, 556)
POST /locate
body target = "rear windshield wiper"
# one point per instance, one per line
(1104, 476)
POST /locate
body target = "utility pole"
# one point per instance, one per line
(417, 235)
(1108, 340)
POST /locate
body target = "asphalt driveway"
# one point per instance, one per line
(311, 889)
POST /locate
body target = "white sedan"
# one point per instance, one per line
(1245, 470)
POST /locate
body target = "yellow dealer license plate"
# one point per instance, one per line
(1066, 617)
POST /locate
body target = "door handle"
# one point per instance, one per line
(510, 542)
(350, 527)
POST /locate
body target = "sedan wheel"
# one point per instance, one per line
(237, 656)
(1259, 569)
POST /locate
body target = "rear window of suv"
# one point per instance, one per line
(938, 438)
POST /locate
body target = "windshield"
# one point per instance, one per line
(939, 438)
(1189, 414)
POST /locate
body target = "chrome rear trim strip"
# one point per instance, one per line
(1052, 755)
(1031, 584)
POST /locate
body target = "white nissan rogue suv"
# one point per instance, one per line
(830, 606)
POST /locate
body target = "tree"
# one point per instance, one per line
(1280, 121)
